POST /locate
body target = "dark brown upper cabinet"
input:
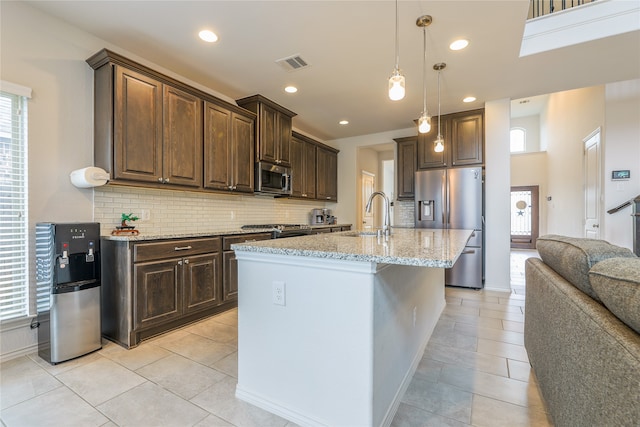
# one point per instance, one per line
(427, 157)
(303, 167)
(467, 138)
(149, 128)
(228, 149)
(463, 135)
(407, 166)
(273, 129)
(327, 174)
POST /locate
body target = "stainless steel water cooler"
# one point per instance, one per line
(68, 281)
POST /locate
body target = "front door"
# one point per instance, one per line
(524, 217)
(592, 185)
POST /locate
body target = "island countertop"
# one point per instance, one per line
(418, 247)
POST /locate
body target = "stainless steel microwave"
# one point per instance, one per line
(273, 179)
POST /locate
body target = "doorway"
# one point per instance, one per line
(592, 161)
(524, 217)
(368, 186)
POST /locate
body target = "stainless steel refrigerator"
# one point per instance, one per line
(453, 198)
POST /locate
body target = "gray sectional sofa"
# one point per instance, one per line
(582, 331)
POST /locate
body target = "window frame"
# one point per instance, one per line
(524, 139)
(14, 155)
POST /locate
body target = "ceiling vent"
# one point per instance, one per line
(292, 63)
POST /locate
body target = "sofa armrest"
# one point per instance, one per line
(586, 360)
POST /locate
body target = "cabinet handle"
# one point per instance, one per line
(251, 240)
(166, 181)
(234, 187)
(230, 187)
(328, 198)
(180, 262)
(160, 180)
(186, 261)
(182, 248)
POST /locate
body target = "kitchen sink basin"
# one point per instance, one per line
(361, 234)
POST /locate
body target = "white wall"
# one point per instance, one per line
(569, 118)
(497, 195)
(531, 125)
(621, 151)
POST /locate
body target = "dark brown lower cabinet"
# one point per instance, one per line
(157, 292)
(230, 281)
(154, 286)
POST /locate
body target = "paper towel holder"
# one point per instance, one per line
(89, 177)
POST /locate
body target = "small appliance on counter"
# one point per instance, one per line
(321, 217)
(68, 286)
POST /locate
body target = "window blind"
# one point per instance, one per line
(14, 274)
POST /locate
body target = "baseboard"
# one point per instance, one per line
(277, 409)
(18, 353)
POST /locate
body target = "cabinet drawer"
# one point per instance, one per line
(174, 248)
(231, 240)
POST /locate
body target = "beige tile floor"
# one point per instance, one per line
(474, 372)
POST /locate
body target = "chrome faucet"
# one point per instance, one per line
(386, 227)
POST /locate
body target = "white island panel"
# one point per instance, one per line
(345, 345)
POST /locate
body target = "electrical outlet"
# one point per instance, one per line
(145, 214)
(278, 293)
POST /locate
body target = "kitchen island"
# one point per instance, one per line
(331, 328)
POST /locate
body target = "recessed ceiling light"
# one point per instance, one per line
(291, 89)
(208, 36)
(459, 44)
(344, 122)
(469, 99)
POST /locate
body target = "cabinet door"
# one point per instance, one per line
(217, 147)
(327, 174)
(268, 129)
(158, 292)
(284, 140)
(202, 282)
(230, 282)
(467, 138)
(242, 143)
(182, 138)
(298, 171)
(427, 157)
(138, 127)
(309, 171)
(407, 162)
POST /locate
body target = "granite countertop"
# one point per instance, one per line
(418, 247)
(213, 232)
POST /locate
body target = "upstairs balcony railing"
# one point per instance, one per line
(545, 7)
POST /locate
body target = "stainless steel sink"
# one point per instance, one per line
(360, 234)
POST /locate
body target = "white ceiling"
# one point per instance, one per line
(350, 46)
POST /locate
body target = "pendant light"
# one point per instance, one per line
(396, 81)
(424, 122)
(438, 145)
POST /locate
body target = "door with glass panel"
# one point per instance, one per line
(524, 217)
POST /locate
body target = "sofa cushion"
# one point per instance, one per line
(573, 257)
(617, 283)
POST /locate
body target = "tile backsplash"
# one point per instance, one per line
(404, 213)
(174, 212)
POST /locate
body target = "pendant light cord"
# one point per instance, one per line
(439, 71)
(397, 40)
(424, 69)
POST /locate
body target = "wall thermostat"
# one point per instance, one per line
(621, 175)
